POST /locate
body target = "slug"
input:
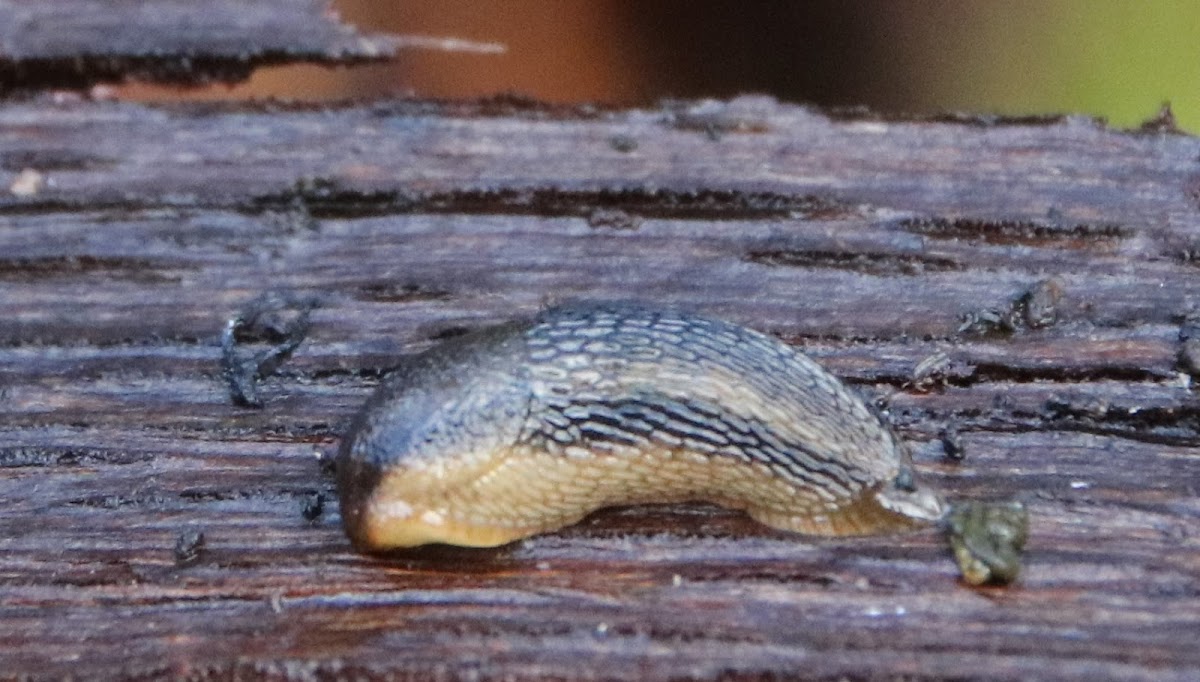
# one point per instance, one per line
(527, 427)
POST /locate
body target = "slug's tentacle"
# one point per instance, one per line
(522, 429)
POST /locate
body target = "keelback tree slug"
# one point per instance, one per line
(524, 428)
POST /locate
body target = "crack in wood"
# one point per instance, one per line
(120, 268)
(39, 456)
(879, 264)
(1018, 232)
(327, 198)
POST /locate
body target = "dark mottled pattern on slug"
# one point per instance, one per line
(589, 369)
(525, 428)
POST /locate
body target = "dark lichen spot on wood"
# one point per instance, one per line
(313, 506)
(281, 320)
(1035, 308)
(952, 444)
(1038, 306)
(189, 546)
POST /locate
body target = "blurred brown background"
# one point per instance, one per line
(1120, 59)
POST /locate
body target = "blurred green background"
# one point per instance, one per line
(1117, 59)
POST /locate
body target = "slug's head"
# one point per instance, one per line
(411, 488)
(437, 425)
(408, 504)
(358, 477)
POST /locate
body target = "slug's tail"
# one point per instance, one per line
(875, 512)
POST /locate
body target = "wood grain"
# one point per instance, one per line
(863, 241)
(78, 43)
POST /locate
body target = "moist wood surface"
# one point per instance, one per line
(75, 43)
(129, 235)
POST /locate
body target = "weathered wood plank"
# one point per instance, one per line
(75, 43)
(862, 241)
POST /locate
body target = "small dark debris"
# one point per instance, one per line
(613, 219)
(1035, 308)
(952, 445)
(1057, 405)
(277, 319)
(623, 143)
(1039, 305)
(987, 321)
(313, 507)
(188, 547)
(930, 372)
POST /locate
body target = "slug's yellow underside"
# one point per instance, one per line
(520, 492)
